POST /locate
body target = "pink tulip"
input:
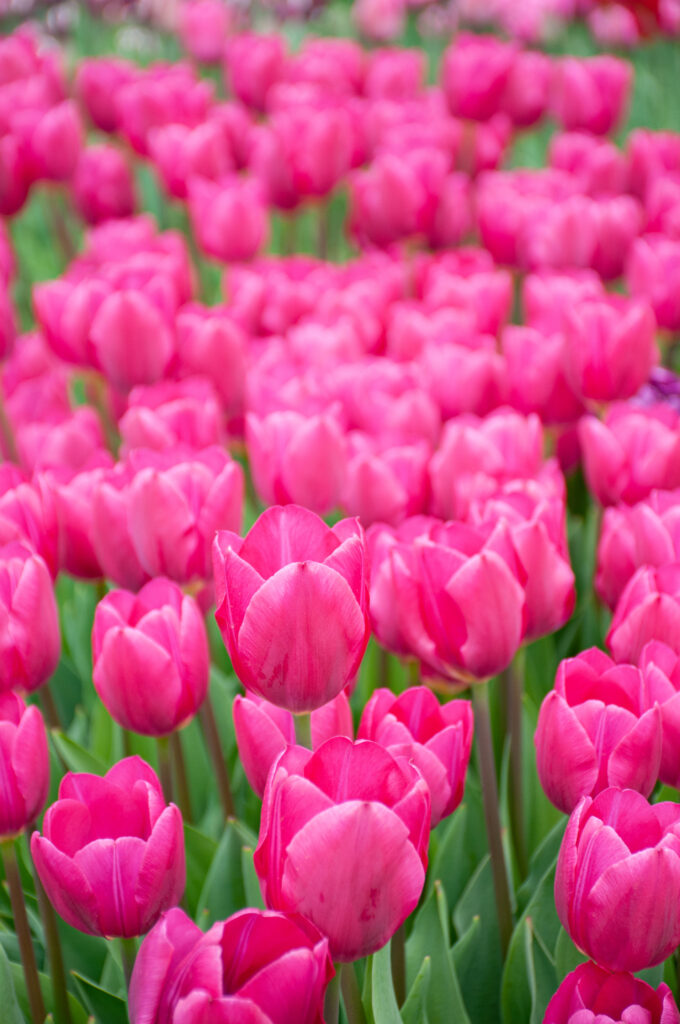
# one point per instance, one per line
(203, 29)
(65, 310)
(488, 294)
(177, 501)
(475, 75)
(535, 368)
(436, 738)
(212, 344)
(660, 668)
(73, 500)
(151, 659)
(110, 528)
(618, 851)
(132, 340)
(111, 856)
(28, 515)
(181, 153)
(54, 139)
(24, 763)
(394, 74)
(166, 94)
(591, 93)
(98, 82)
(170, 414)
(548, 295)
(30, 644)
(216, 208)
(597, 728)
(653, 273)
(591, 992)
(610, 347)
(294, 569)
(631, 452)
(252, 65)
(632, 536)
(354, 860)
(263, 731)
(379, 20)
(527, 89)
(648, 609)
(651, 155)
(598, 164)
(315, 145)
(255, 966)
(385, 484)
(103, 186)
(15, 176)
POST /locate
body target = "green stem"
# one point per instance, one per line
(289, 245)
(54, 953)
(128, 955)
(182, 783)
(480, 704)
(16, 895)
(49, 708)
(513, 682)
(165, 767)
(413, 666)
(331, 1006)
(303, 729)
(398, 957)
(212, 738)
(60, 227)
(351, 996)
(322, 229)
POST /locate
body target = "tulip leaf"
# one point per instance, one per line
(383, 999)
(79, 1014)
(200, 852)
(77, 759)
(223, 892)
(459, 845)
(477, 954)
(11, 1012)
(250, 879)
(430, 937)
(414, 1010)
(567, 956)
(106, 1007)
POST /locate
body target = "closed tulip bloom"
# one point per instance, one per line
(384, 483)
(621, 853)
(548, 295)
(343, 840)
(30, 643)
(132, 339)
(203, 29)
(111, 856)
(475, 75)
(151, 659)
(229, 217)
(181, 153)
(310, 580)
(660, 666)
(591, 93)
(98, 82)
(592, 994)
(28, 514)
(252, 65)
(653, 273)
(599, 165)
(537, 382)
(211, 343)
(111, 536)
(263, 731)
(74, 498)
(597, 728)
(648, 609)
(24, 764)
(436, 738)
(651, 155)
(256, 966)
(170, 414)
(103, 186)
(297, 459)
(610, 347)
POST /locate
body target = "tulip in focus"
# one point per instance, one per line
(256, 966)
(111, 855)
(648, 609)
(591, 993)
(292, 605)
(620, 853)
(24, 765)
(354, 860)
(30, 642)
(151, 658)
(660, 667)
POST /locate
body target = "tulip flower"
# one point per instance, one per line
(171, 414)
(547, 296)
(181, 153)
(590, 93)
(294, 570)
(24, 764)
(30, 643)
(27, 514)
(110, 528)
(263, 731)
(436, 738)
(534, 367)
(255, 966)
(111, 856)
(203, 29)
(597, 728)
(385, 484)
(354, 860)
(475, 74)
(651, 155)
(252, 65)
(590, 993)
(660, 667)
(648, 609)
(599, 165)
(617, 886)
(98, 82)
(216, 207)
(151, 659)
(653, 273)
(103, 186)
(132, 339)
(210, 343)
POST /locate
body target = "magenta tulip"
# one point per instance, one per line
(263, 731)
(617, 885)
(257, 966)
(253, 64)
(436, 738)
(310, 580)
(171, 414)
(597, 728)
(203, 29)
(385, 484)
(103, 186)
(27, 514)
(111, 856)
(111, 537)
(590, 93)
(30, 643)
(648, 609)
(212, 344)
(343, 840)
(151, 659)
(24, 765)
(660, 667)
(216, 207)
(591, 994)
(132, 339)
(653, 273)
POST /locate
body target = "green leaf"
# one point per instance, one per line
(223, 892)
(458, 845)
(76, 757)
(79, 1014)
(200, 852)
(106, 1007)
(383, 999)
(477, 954)
(11, 1013)
(429, 937)
(567, 956)
(414, 1010)
(250, 880)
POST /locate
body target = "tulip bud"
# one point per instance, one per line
(24, 764)
(132, 339)
(30, 643)
(151, 659)
(216, 207)
(171, 414)
(648, 609)
(203, 29)
(590, 992)
(354, 864)
(590, 93)
(620, 852)
(293, 569)
(111, 856)
(253, 64)
(103, 187)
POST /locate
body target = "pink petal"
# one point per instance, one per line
(285, 534)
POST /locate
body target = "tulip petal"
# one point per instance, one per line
(285, 534)
(565, 756)
(69, 891)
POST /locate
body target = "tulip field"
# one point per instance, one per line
(340, 512)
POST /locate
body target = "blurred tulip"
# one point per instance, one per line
(648, 609)
(111, 856)
(212, 344)
(660, 667)
(203, 29)
(111, 534)
(24, 764)
(252, 65)
(591, 93)
(181, 153)
(170, 414)
(132, 339)
(28, 515)
(229, 217)
(30, 642)
(589, 992)
(364, 830)
(653, 274)
(475, 74)
(103, 186)
(385, 484)
(599, 166)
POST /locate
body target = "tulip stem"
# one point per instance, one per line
(480, 704)
(398, 957)
(351, 996)
(59, 989)
(128, 955)
(331, 1005)
(322, 229)
(383, 668)
(60, 227)
(182, 787)
(16, 895)
(212, 738)
(165, 766)
(289, 233)
(303, 729)
(50, 709)
(512, 681)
